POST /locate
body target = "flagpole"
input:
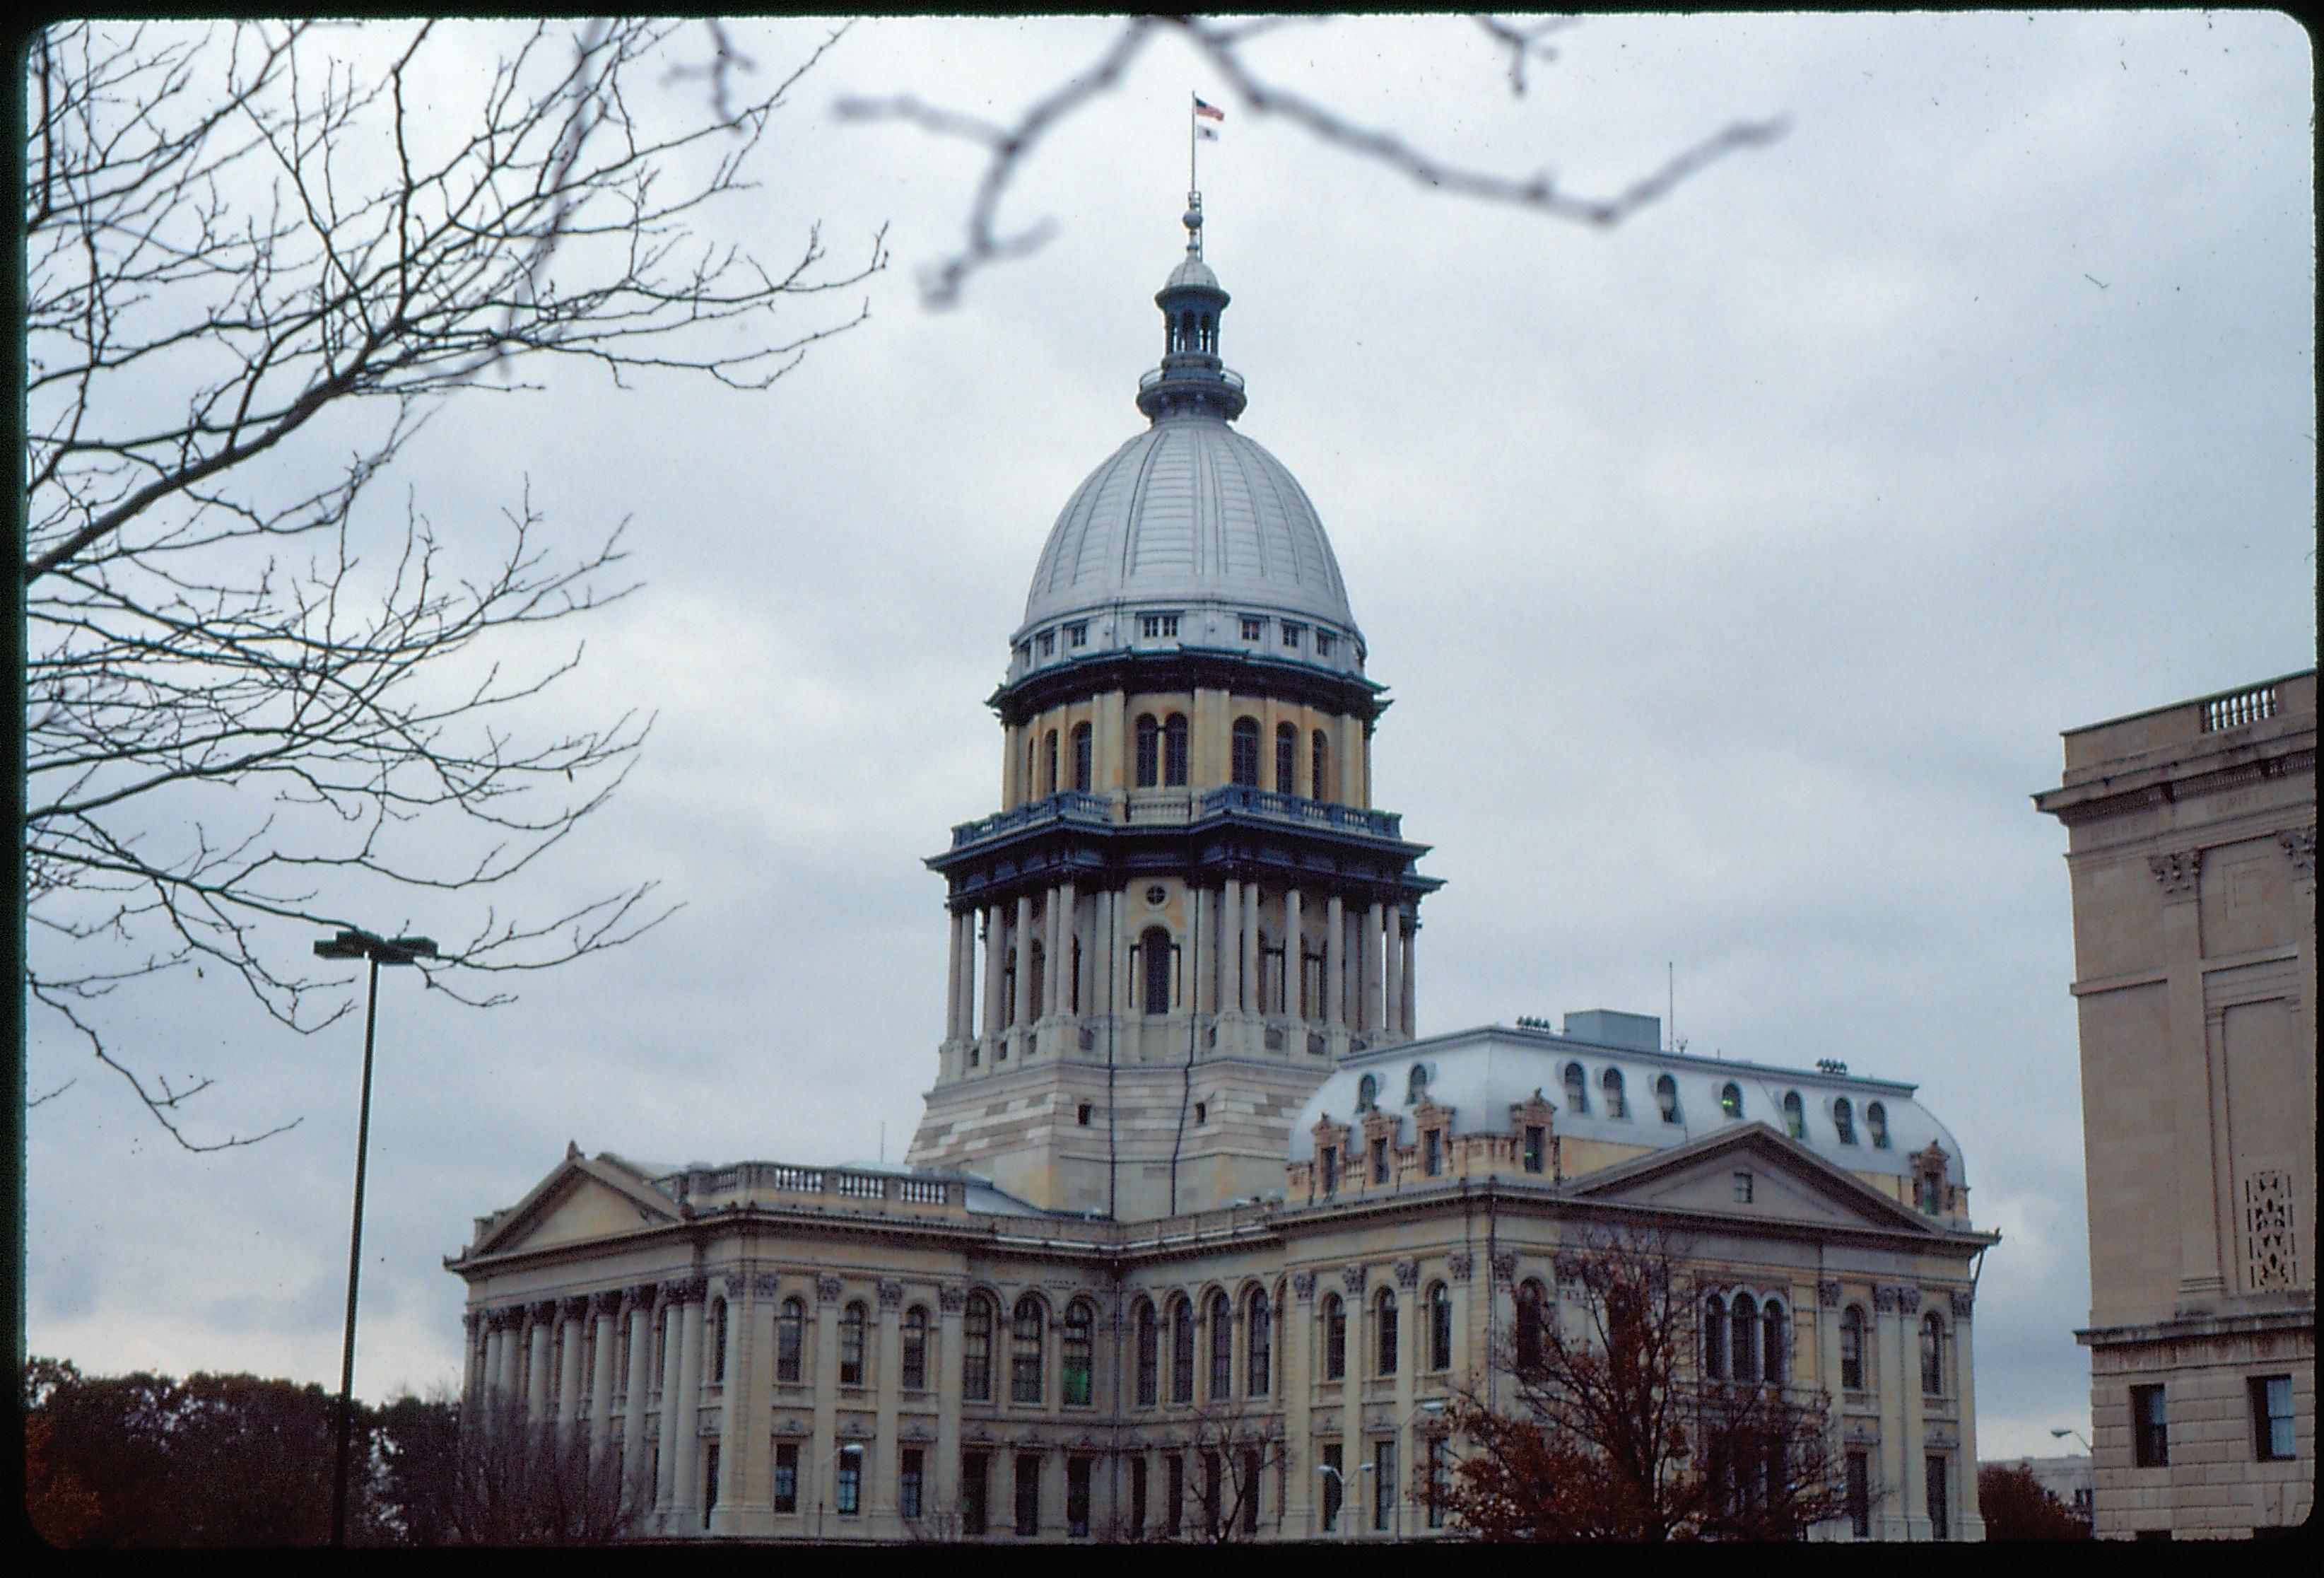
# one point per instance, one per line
(1191, 130)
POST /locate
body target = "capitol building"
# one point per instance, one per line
(1200, 1236)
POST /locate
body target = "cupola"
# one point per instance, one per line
(1191, 378)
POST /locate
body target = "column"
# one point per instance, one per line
(746, 1461)
(1404, 996)
(952, 980)
(996, 954)
(1254, 974)
(1060, 953)
(2188, 1053)
(670, 1320)
(1969, 1519)
(732, 1390)
(1202, 958)
(508, 1378)
(1230, 947)
(1355, 1450)
(684, 1496)
(941, 1492)
(1021, 934)
(572, 1313)
(637, 1308)
(819, 1474)
(605, 1307)
(1392, 971)
(1294, 1325)
(880, 1460)
(538, 1320)
(1375, 994)
(1335, 947)
(1915, 1432)
(1294, 958)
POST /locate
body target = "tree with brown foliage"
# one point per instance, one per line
(2015, 1506)
(1616, 1435)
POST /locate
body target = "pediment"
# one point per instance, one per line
(1788, 1184)
(582, 1198)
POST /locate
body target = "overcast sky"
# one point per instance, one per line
(1734, 572)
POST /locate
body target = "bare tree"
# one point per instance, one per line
(1617, 1433)
(1222, 46)
(1227, 1450)
(258, 258)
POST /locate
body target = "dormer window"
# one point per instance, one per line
(1795, 1117)
(1156, 627)
(1843, 1119)
(1617, 1106)
(1730, 1099)
(1875, 1123)
(1077, 633)
(1292, 633)
(1252, 629)
(1046, 642)
(1366, 1092)
(1416, 1085)
(1666, 1097)
(1536, 1145)
(1577, 1091)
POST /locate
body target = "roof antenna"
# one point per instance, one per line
(1670, 1004)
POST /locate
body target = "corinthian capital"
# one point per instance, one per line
(2177, 872)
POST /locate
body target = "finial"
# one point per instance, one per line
(1193, 221)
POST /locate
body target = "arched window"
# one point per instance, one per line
(1843, 1119)
(1181, 1351)
(1577, 1092)
(1149, 751)
(851, 1324)
(1335, 1337)
(1150, 1357)
(916, 1349)
(1173, 751)
(1851, 1349)
(1246, 752)
(1319, 778)
(1618, 1104)
(1440, 1326)
(1222, 1348)
(1082, 758)
(1776, 1350)
(1666, 1097)
(1027, 1325)
(1875, 1123)
(1932, 1355)
(1384, 1328)
(790, 1340)
(1714, 1338)
(1049, 763)
(1730, 1099)
(1745, 1349)
(1154, 961)
(1076, 1357)
(717, 1342)
(1416, 1085)
(1259, 1344)
(976, 1325)
(1795, 1116)
(1532, 1321)
(1366, 1093)
(1287, 760)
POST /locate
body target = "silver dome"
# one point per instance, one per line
(1190, 518)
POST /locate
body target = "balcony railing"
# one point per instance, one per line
(1177, 810)
(2238, 707)
(783, 1178)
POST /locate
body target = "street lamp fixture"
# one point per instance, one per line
(2061, 1431)
(402, 950)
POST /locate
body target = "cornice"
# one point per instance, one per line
(1244, 674)
(2183, 778)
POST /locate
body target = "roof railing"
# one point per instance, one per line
(2238, 707)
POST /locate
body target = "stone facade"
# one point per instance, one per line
(2192, 854)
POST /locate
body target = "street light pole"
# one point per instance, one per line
(402, 950)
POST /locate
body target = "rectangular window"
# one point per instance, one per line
(910, 1470)
(847, 1483)
(1082, 1114)
(1247, 1491)
(973, 1468)
(1028, 1494)
(1137, 1498)
(1940, 1522)
(1329, 1165)
(1046, 642)
(1077, 1498)
(1535, 1142)
(1380, 1159)
(1333, 1487)
(2271, 1400)
(1292, 633)
(709, 1481)
(1158, 626)
(2150, 1432)
(787, 1476)
(1173, 1494)
(1252, 629)
(1433, 1143)
(1859, 1494)
(1439, 1482)
(1383, 1486)
(1325, 641)
(1742, 1188)
(1213, 1477)
(1077, 633)
(916, 1352)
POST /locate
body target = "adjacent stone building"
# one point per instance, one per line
(1197, 1231)
(2191, 848)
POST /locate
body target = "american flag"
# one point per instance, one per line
(1209, 112)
